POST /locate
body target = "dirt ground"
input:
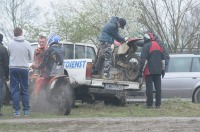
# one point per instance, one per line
(143, 124)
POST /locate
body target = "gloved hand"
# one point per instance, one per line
(126, 39)
(163, 73)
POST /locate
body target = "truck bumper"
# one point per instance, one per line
(107, 92)
(116, 93)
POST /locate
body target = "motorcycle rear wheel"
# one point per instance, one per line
(132, 71)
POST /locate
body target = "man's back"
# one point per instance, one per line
(20, 52)
(154, 58)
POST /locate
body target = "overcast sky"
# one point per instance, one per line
(43, 3)
(46, 3)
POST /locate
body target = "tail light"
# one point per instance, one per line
(89, 70)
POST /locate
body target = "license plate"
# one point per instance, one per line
(114, 86)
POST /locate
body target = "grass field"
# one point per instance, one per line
(170, 108)
(173, 107)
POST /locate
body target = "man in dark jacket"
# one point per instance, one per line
(4, 69)
(152, 66)
(107, 36)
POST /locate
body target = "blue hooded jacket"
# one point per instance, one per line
(110, 32)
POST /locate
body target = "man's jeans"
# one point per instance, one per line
(19, 86)
(1, 91)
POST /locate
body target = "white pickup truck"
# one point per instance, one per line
(78, 64)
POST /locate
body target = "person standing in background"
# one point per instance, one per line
(20, 56)
(38, 53)
(152, 67)
(4, 70)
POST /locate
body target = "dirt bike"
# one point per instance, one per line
(125, 66)
(58, 93)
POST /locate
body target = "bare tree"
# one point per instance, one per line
(18, 13)
(174, 21)
(82, 21)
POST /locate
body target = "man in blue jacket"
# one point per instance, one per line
(107, 37)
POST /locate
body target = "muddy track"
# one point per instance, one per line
(155, 124)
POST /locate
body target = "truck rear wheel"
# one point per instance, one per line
(120, 102)
(115, 101)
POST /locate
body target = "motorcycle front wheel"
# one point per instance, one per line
(66, 99)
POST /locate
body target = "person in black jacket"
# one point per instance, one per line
(4, 69)
(152, 66)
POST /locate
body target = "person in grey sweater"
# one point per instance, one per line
(20, 56)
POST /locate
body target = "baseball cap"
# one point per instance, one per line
(122, 22)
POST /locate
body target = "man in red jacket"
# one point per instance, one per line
(152, 66)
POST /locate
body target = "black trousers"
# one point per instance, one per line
(153, 79)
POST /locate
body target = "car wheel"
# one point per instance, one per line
(196, 96)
